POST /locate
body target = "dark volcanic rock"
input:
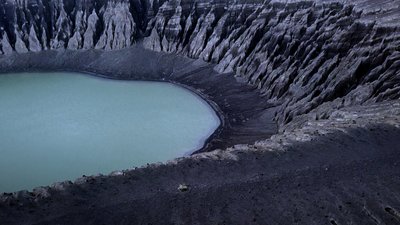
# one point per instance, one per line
(299, 54)
(327, 71)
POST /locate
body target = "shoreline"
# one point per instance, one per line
(303, 171)
(233, 119)
(214, 107)
(333, 155)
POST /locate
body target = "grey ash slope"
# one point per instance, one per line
(331, 70)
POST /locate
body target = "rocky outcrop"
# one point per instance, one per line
(89, 35)
(5, 44)
(36, 25)
(300, 54)
(119, 27)
(34, 43)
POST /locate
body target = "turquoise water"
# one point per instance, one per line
(60, 126)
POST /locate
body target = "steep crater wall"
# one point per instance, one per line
(300, 54)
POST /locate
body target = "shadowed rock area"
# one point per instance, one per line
(320, 76)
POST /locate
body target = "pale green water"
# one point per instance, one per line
(60, 126)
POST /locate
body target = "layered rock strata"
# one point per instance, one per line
(300, 54)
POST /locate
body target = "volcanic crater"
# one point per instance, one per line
(307, 91)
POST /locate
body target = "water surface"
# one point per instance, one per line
(60, 126)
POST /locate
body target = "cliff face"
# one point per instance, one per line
(301, 54)
(35, 25)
